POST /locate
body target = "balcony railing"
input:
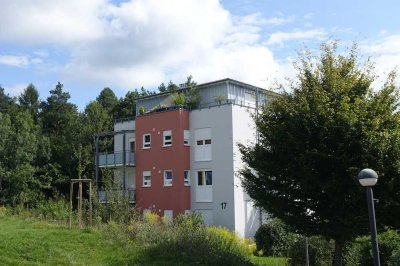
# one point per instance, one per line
(116, 159)
(105, 196)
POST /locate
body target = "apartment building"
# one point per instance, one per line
(174, 159)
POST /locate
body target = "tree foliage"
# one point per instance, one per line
(316, 138)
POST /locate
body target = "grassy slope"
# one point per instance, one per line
(29, 242)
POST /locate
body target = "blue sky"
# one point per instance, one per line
(92, 44)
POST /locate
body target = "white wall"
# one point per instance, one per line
(118, 139)
(219, 120)
(247, 218)
(118, 144)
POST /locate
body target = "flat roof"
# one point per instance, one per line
(207, 84)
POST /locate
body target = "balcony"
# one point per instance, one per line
(116, 159)
(104, 196)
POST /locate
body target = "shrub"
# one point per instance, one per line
(178, 99)
(115, 233)
(359, 252)
(55, 210)
(142, 110)
(227, 248)
(274, 238)
(117, 208)
(188, 238)
(3, 211)
(319, 251)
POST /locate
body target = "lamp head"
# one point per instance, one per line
(367, 177)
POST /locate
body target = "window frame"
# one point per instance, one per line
(167, 143)
(186, 178)
(186, 137)
(204, 180)
(168, 183)
(146, 183)
(145, 143)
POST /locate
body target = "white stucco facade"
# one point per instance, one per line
(228, 206)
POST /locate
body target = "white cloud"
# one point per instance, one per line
(281, 37)
(52, 21)
(385, 52)
(308, 15)
(15, 90)
(142, 42)
(276, 21)
(14, 60)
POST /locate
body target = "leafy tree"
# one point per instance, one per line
(18, 182)
(316, 138)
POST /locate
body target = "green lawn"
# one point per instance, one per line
(30, 242)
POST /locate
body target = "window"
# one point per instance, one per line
(146, 179)
(168, 216)
(203, 141)
(146, 141)
(132, 145)
(186, 178)
(204, 188)
(167, 138)
(167, 178)
(204, 178)
(186, 137)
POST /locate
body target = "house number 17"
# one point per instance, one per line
(223, 205)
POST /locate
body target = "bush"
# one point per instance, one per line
(274, 238)
(3, 211)
(117, 209)
(116, 233)
(227, 248)
(319, 251)
(188, 238)
(359, 252)
(55, 210)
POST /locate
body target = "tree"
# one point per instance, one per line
(29, 100)
(61, 124)
(7, 103)
(193, 97)
(107, 99)
(314, 140)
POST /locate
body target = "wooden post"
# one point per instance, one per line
(80, 204)
(90, 204)
(71, 192)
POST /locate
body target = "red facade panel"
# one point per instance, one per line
(158, 158)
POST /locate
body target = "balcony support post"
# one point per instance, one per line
(124, 161)
(97, 162)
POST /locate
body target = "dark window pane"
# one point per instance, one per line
(209, 178)
(207, 141)
(199, 142)
(200, 179)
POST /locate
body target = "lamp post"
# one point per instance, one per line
(368, 178)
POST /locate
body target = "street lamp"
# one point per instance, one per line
(368, 178)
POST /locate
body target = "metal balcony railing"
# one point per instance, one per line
(116, 159)
(105, 196)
